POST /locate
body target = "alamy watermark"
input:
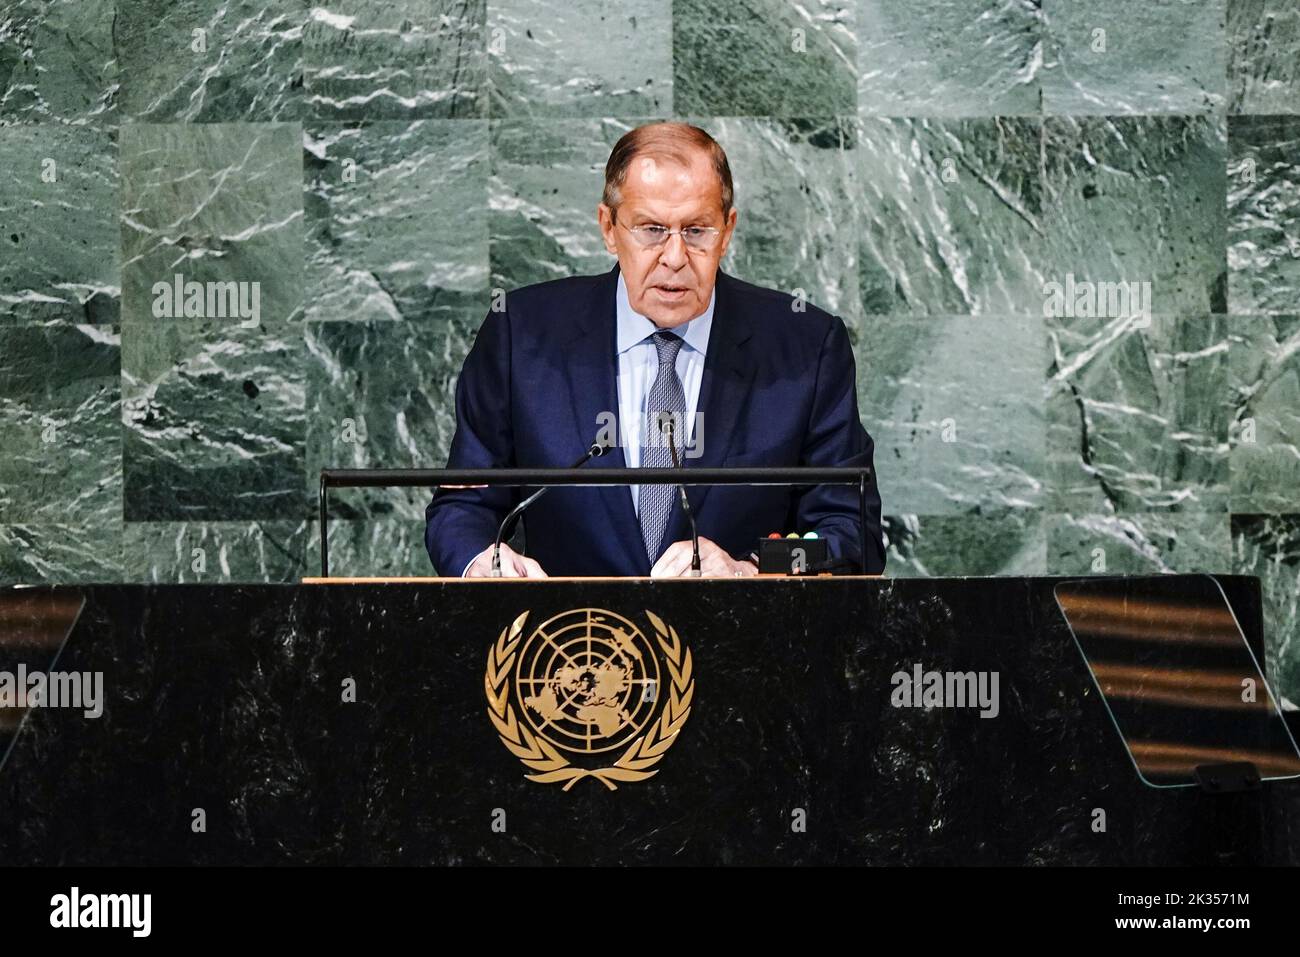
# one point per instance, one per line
(652, 430)
(946, 689)
(181, 299)
(79, 690)
(77, 910)
(1084, 299)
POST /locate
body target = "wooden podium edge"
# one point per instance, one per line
(316, 580)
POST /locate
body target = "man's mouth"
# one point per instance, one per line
(669, 290)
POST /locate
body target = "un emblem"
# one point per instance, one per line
(583, 685)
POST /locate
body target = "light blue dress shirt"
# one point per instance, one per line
(638, 364)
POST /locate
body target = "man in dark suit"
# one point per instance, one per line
(755, 377)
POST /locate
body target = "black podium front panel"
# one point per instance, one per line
(837, 721)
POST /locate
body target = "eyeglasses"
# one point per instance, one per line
(696, 237)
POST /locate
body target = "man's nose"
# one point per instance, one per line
(674, 252)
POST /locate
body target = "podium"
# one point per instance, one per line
(713, 721)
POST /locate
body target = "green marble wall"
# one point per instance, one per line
(926, 170)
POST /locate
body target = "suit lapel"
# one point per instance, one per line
(724, 389)
(591, 364)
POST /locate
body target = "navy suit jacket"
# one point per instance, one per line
(778, 389)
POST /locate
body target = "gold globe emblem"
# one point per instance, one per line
(589, 680)
(586, 682)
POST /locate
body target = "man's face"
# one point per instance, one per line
(670, 284)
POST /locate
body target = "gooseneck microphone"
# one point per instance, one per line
(667, 424)
(507, 526)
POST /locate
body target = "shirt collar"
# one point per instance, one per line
(634, 328)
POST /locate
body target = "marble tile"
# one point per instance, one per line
(547, 177)
(997, 542)
(186, 61)
(57, 61)
(949, 58)
(580, 58)
(59, 251)
(1139, 544)
(60, 554)
(1269, 546)
(396, 59)
(1109, 57)
(764, 58)
(1138, 199)
(956, 411)
(1263, 56)
(211, 552)
(1265, 382)
(795, 193)
(377, 548)
(950, 216)
(1138, 416)
(1264, 214)
(213, 203)
(60, 402)
(382, 395)
(213, 421)
(396, 220)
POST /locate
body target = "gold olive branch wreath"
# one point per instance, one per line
(637, 762)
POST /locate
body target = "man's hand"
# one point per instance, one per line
(714, 562)
(513, 565)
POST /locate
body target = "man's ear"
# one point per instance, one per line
(728, 230)
(605, 218)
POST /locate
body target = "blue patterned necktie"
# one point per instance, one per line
(654, 502)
